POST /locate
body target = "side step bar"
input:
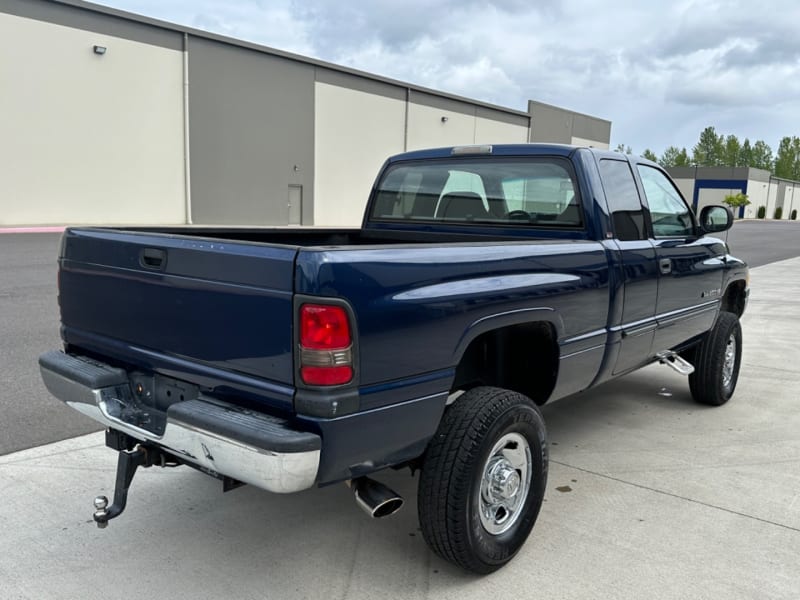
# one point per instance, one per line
(676, 362)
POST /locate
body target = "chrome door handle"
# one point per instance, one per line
(665, 265)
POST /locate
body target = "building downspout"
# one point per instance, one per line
(186, 152)
(405, 128)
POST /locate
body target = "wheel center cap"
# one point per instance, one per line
(505, 482)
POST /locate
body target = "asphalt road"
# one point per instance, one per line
(29, 416)
(763, 242)
(29, 325)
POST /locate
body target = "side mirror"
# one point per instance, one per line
(716, 218)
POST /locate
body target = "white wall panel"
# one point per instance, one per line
(427, 130)
(591, 143)
(707, 196)
(488, 131)
(354, 134)
(772, 198)
(686, 188)
(791, 200)
(86, 138)
(757, 194)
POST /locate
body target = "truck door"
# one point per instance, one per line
(634, 323)
(690, 268)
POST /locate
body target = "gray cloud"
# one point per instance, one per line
(661, 71)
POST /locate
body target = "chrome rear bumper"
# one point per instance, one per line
(219, 437)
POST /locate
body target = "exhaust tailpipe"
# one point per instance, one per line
(376, 499)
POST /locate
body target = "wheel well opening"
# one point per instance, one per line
(734, 299)
(523, 358)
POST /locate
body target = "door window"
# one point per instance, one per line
(670, 214)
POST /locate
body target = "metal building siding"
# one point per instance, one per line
(251, 122)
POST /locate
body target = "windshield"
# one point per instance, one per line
(539, 191)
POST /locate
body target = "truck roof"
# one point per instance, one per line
(482, 149)
(532, 149)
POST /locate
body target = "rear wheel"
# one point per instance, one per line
(483, 479)
(716, 362)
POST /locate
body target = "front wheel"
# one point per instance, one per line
(483, 479)
(716, 362)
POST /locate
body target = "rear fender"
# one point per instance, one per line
(506, 319)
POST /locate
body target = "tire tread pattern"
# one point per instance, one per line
(706, 381)
(448, 469)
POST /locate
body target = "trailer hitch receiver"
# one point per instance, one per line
(127, 463)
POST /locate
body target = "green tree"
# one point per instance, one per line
(787, 160)
(746, 154)
(736, 200)
(709, 149)
(761, 157)
(623, 149)
(732, 152)
(673, 157)
(650, 155)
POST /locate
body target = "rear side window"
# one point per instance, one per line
(623, 200)
(502, 191)
(669, 213)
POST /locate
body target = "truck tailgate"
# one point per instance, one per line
(156, 300)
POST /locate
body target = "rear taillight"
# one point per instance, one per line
(326, 353)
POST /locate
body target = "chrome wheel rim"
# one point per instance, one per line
(730, 362)
(505, 482)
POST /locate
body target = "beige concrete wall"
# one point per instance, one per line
(427, 130)
(686, 188)
(708, 197)
(354, 133)
(488, 131)
(88, 138)
(591, 143)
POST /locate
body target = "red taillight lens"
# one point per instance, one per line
(324, 327)
(326, 375)
(325, 345)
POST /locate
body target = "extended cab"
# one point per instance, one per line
(484, 282)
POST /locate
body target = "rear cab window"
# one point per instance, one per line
(539, 191)
(627, 213)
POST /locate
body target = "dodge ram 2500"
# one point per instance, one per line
(484, 282)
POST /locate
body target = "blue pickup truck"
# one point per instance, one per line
(484, 282)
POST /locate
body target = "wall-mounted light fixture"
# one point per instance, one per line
(99, 49)
(444, 119)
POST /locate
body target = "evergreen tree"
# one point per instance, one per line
(787, 160)
(761, 157)
(709, 149)
(650, 155)
(732, 152)
(673, 157)
(746, 154)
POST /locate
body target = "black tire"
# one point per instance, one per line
(450, 494)
(715, 374)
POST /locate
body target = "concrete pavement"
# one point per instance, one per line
(649, 496)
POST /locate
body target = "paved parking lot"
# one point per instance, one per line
(649, 496)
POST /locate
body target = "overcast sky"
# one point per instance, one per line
(660, 71)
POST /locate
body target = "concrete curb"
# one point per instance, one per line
(32, 229)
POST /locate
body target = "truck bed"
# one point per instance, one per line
(215, 306)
